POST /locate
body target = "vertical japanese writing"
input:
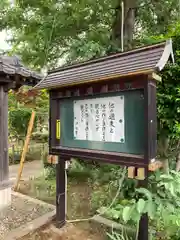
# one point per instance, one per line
(111, 117)
(99, 119)
(91, 108)
(87, 121)
(82, 113)
(103, 109)
(97, 116)
(76, 128)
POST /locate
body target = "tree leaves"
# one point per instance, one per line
(126, 215)
(81, 29)
(74, 20)
(145, 192)
(140, 205)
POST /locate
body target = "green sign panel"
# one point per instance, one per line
(111, 122)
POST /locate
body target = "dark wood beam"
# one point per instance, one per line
(60, 193)
(4, 163)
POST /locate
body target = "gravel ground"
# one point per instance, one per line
(19, 213)
(68, 232)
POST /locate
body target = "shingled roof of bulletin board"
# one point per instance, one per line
(138, 61)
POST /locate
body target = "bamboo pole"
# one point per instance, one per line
(25, 149)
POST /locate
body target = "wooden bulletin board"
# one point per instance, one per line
(104, 122)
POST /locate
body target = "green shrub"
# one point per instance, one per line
(19, 120)
(161, 203)
(79, 170)
(41, 137)
(16, 157)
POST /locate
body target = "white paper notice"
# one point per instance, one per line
(99, 119)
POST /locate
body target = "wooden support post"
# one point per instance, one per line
(23, 156)
(5, 184)
(143, 224)
(60, 193)
(3, 135)
(150, 144)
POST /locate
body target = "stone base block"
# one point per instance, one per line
(5, 197)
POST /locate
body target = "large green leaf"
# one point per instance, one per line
(140, 205)
(145, 192)
(127, 213)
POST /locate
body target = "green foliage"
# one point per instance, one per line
(79, 171)
(155, 17)
(44, 32)
(14, 158)
(42, 103)
(40, 136)
(50, 172)
(168, 91)
(160, 202)
(168, 98)
(18, 120)
(106, 182)
(20, 113)
(168, 102)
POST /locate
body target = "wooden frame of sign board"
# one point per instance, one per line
(145, 88)
(129, 76)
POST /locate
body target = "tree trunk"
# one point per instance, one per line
(130, 7)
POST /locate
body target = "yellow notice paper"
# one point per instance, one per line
(58, 129)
